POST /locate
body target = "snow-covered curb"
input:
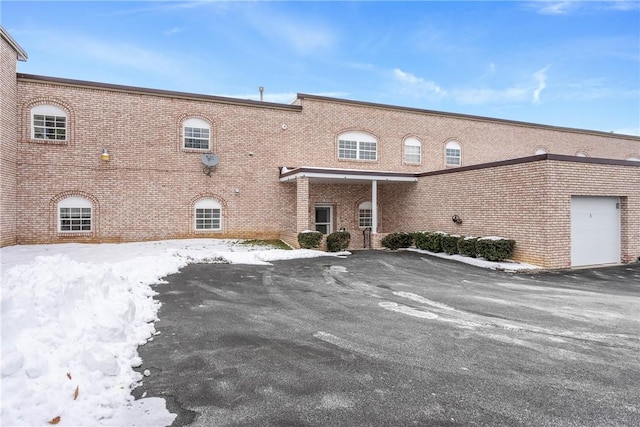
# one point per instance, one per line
(508, 266)
(73, 316)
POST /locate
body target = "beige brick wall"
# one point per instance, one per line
(8, 140)
(148, 188)
(528, 202)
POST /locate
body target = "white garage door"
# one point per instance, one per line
(595, 230)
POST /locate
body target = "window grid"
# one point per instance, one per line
(207, 219)
(365, 217)
(359, 150)
(412, 154)
(49, 127)
(75, 219)
(196, 138)
(453, 156)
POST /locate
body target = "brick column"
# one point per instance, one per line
(302, 203)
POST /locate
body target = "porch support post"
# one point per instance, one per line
(302, 203)
(374, 207)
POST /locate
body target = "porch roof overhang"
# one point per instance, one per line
(344, 176)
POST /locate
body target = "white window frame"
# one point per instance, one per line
(75, 215)
(46, 123)
(196, 134)
(453, 153)
(365, 215)
(357, 146)
(328, 224)
(207, 215)
(413, 151)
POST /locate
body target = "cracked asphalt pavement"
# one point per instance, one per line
(396, 339)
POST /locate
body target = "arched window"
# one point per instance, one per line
(365, 215)
(453, 153)
(48, 122)
(196, 133)
(581, 154)
(540, 150)
(208, 215)
(412, 150)
(75, 214)
(357, 146)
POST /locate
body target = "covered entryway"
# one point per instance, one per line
(329, 199)
(595, 230)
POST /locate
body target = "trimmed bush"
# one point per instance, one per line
(495, 248)
(338, 241)
(398, 240)
(429, 241)
(449, 243)
(467, 246)
(309, 239)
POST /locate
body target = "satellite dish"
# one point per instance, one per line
(210, 160)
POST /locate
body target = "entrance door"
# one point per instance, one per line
(324, 219)
(595, 230)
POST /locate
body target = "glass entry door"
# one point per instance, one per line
(324, 219)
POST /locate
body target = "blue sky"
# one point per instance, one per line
(564, 63)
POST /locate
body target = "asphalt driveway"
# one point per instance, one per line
(396, 339)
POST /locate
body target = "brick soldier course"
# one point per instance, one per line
(278, 162)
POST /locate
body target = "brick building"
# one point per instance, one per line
(94, 162)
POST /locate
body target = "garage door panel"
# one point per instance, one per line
(595, 230)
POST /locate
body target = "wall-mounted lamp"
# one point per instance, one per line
(105, 156)
(236, 191)
(456, 219)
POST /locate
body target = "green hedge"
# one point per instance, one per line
(309, 239)
(467, 246)
(495, 249)
(429, 241)
(449, 243)
(338, 241)
(398, 240)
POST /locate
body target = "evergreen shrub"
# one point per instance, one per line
(309, 239)
(397, 240)
(338, 241)
(495, 248)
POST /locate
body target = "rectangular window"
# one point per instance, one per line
(324, 221)
(75, 219)
(347, 149)
(453, 156)
(357, 150)
(412, 154)
(196, 138)
(365, 218)
(49, 127)
(208, 219)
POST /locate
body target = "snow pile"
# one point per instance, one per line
(73, 316)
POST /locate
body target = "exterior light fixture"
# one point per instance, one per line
(105, 156)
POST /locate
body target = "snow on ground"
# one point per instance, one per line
(73, 316)
(508, 266)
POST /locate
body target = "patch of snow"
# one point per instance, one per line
(73, 316)
(508, 266)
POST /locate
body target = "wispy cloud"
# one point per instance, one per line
(417, 85)
(304, 35)
(540, 77)
(172, 31)
(550, 7)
